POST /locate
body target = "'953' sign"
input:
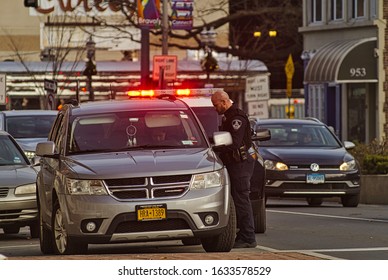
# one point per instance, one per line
(357, 72)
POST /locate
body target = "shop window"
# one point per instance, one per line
(316, 102)
(337, 9)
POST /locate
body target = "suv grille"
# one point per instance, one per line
(149, 187)
(3, 192)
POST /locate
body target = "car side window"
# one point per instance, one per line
(56, 135)
(54, 128)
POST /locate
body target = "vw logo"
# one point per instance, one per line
(314, 167)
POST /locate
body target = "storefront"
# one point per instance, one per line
(341, 87)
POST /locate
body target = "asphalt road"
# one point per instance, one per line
(294, 231)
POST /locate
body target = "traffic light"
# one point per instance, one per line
(209, 63)
(31, 3)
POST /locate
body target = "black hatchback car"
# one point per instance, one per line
(304, 158)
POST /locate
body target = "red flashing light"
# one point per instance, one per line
(183, 92)
(141, 93)
(133, 93)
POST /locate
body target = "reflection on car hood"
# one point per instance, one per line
(290, 155)
(16, 175)
(29, 144)
(139, 163)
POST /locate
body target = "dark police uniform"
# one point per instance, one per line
(240, 165)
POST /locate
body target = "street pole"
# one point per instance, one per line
(145, 57)
(165, 28)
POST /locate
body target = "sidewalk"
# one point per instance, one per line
(234, 255)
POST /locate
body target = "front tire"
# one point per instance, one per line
(259, 215)
(63, 244)
(223, 242)
(45, 237)
(34, 230)
(350, 200)
(11, 229)
(314, 201)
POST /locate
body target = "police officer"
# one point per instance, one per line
(239, 164)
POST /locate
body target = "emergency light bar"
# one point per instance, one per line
(203, 92)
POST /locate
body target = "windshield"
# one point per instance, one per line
(30, 126)
(297, 135)
(209, 118)
(9, 154)
(134, 130)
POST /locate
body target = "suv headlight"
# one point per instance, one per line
(208, 180)
(272, 165)
(349, 165)
(85, 187)
(26, 189)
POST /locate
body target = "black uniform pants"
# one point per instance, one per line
(240, 175)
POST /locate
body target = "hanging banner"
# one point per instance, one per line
(182, 14)
(148, 12)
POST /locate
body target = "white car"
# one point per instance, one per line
(17, 189)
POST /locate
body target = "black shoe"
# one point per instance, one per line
(243, 244)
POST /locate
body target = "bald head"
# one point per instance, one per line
(221, 101)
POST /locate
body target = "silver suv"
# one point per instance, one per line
(132, 171)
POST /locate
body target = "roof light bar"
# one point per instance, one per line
(177, 92)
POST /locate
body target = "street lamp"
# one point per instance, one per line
(90, 68)
(208, 40)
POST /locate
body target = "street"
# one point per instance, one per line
(328, 232)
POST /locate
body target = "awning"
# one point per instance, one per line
(345, 61)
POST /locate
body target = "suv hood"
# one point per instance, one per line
(142, 163)
(322, 156)
(15, 175)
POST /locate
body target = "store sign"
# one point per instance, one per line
(182, 14)
(3, 98)
(359, 64)
(76, 7)
(257, 88)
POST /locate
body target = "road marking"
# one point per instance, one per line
(328, 216)
(312, 253)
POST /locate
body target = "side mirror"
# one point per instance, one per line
(349, 145)
(262, 134)
(222, 138)
(45, 149)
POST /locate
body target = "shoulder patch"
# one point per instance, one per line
(236, 124)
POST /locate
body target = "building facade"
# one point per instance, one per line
(50, 42)
(345, 60)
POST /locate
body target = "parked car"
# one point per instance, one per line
(28, 127)
(104, 179)
(17, 188)
(304, 158)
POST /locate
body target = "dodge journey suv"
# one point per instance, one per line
(132, 171)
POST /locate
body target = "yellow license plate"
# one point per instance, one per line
(151, 212)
